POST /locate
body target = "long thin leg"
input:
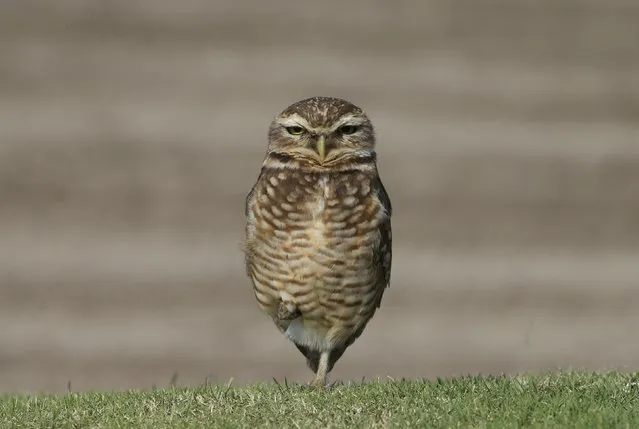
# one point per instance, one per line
(322, 370)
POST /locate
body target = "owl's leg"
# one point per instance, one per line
(322, 370)
(286, 310)
(312, 356)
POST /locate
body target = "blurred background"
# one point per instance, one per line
(131, 132)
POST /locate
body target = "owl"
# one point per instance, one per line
(318, 229)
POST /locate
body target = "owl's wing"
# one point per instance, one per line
(385, 251)
(249, 196)
(247, 203)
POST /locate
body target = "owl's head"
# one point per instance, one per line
(322, 131)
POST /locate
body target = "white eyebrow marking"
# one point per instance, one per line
(297, 120)
(293, 120)
(350, 120)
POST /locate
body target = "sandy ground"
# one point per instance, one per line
(131, 131)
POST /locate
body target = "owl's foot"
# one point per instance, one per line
(286, 310)
(318, 384)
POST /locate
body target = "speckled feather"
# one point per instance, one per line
(318, 234)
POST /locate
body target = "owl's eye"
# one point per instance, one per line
(296, 131)
(348, 129)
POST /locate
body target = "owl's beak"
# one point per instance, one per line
(321, 147)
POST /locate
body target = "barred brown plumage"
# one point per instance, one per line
(318, 231)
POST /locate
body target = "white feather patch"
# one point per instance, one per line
(313, 337)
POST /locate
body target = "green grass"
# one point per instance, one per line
(577, 400)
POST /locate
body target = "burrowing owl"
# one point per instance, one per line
(318, 231)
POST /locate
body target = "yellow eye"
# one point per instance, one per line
(348, 129)
(296, 131)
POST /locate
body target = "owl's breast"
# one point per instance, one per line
(312, 241)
